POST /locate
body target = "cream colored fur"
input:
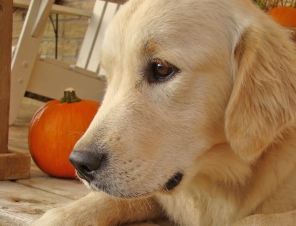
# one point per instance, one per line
(226, 120)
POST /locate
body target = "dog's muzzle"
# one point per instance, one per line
(87, 163)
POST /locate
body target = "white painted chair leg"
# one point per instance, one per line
(26, 52)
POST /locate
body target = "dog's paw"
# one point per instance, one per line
(64, 217)
(50, 218)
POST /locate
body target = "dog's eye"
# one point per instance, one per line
(161, 71)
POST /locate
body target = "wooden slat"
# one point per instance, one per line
(91, 34)
(59, 63)
(41, 18)
(103, 13)
(56, 9)
(50, 80)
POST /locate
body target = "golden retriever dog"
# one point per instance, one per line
(197, 125)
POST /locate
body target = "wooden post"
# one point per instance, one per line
(12, 165)
(5, 47)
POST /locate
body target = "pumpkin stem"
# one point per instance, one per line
(69, 96)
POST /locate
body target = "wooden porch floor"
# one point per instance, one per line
(23, 201)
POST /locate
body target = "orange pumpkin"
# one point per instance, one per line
(284, 15)
(54, 130)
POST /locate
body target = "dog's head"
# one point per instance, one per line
(184, 76)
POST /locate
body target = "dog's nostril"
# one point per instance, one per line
(85, 168)
(86, 162)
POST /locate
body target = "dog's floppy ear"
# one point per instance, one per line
(263, 101)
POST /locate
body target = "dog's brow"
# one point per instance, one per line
(150, 46)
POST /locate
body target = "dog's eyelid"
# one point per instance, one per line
(160, 70)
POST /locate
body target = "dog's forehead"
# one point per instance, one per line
(154, 18)
(143, 26)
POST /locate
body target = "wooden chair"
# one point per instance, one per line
(49, 77)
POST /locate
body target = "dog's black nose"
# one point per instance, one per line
(86, 163)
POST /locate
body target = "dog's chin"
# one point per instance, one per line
(115, 192)
(169, 186)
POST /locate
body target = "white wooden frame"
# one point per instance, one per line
(49, 77)
(26, 52)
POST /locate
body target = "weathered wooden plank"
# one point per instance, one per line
(72, 189)
(20, 204)
(36, 172)
(14, 166)
(18, 136)
(5, 61)
(11, 219)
